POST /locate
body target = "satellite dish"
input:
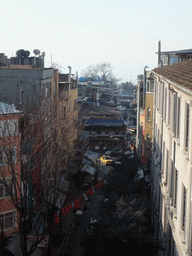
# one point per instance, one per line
(36, 52)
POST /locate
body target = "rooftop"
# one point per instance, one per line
(8, 109)
(28, 67)
(179, 73)
(100, 110)
(187, 51)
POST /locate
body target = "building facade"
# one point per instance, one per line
(9, 158)
(172, 157)
(20, 85)
(147, 130)
(67, 110)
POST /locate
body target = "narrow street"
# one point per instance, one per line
(73, 227)
(75, 245)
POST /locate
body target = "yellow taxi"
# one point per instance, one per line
(106, 160)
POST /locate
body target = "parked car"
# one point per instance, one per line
(106, 160)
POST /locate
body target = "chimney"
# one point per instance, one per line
(159, 54)
(69, 76)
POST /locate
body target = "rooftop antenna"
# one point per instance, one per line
(36, 52)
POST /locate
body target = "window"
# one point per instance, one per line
(178, 117)
(187, 127)
(8, 127)
(8, 220)
(175, 190)
(148, 87)
(1, 156)
(165, 104)
(148, 141)
(171, 190)
(152, 86)
(189, 56)
(173, 59)
(167, 165)
(1, 191)
(21, 96)
(164, 59)
(184, 208)
(168, 107)
(8, 156)
(148, 114)
(75, 104)
(163, 158)
(8, 189)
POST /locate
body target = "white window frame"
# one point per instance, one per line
(8, 181)
(9, 127)
(4, 156)
(14, 219)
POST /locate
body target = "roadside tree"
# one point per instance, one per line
(34, 164)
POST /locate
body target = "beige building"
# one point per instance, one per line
(67, 112)
(172, 157)
(145, 91)
(148, 118)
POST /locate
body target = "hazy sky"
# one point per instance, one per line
(83, 32)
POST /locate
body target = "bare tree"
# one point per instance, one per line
(58, 66)
(34, 158)
(101, 70)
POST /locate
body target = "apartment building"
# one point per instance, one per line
(172, 157)
(67, 109)
(9, 161)
(148, 119)
(23, 79)
(145, 95)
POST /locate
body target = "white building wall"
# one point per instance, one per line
(163, 169)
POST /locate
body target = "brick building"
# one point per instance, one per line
(9, 158)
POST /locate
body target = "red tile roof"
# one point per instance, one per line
(179, 73)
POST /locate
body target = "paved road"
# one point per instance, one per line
(75, 241)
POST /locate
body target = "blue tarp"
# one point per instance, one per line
(83, 79)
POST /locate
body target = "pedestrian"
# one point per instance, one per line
(85, 208)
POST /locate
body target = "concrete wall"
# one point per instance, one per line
(33, 82)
